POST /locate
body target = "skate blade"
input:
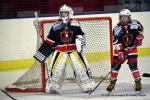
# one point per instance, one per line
(109, 92)
(138, 92)
(54, 92)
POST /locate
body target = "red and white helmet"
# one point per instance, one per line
(67, 9)
(125, 12)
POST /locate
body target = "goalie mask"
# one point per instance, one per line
(125, 15)
(65, 13)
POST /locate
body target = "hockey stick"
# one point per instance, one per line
(110, 72)
(38, 30)
(145, 75)
(39, 42)
(8, 94)
(48, 71)
(36, 22)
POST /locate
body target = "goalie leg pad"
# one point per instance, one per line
(82, 78)
(84, 82)
(58, 71)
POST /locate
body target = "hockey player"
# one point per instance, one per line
(66, 38)
(128, 35)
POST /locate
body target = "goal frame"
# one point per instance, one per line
(43, 69)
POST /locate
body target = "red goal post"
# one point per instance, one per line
(98, 51)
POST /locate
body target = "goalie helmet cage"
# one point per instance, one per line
(98, 51)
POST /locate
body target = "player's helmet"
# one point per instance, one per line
(125, 15)
(65, 13)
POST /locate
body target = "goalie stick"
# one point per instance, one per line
(38, 30)
(8, 94)
(110, 71)
(39, 42)
(145, 75)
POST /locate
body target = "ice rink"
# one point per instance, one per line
(124, 89)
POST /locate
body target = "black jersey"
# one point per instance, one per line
(62, 34)
(61, 38)
(126, 34)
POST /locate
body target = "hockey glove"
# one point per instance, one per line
(43, 52)
(80, 43)
(121, 56)
(138, 40)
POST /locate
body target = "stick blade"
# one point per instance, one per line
(145, 75)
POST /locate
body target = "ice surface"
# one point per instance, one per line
(124, 89)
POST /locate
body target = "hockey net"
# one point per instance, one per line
(98, 52)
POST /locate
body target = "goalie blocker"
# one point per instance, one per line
(43, 52)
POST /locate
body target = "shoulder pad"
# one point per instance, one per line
(75, 23)
(136, 24)
(117, 31)
(57, 26)
(134, 21)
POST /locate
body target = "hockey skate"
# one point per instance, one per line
(111, 86)
(138, 85)
(88, 87)
(53, 89)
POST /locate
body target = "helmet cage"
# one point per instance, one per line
(63, 13)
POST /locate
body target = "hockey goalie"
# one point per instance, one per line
(65, 39)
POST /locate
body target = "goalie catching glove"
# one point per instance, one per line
(43, 52)
(80, 43)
